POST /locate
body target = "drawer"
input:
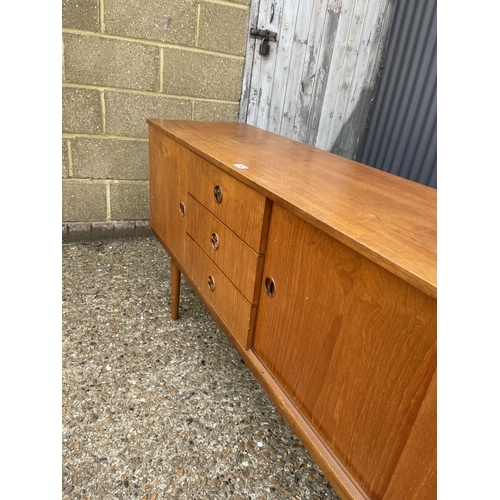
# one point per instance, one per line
(239, 207)
(226, 300)
(233, 256)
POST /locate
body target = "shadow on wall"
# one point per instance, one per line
(355, 126)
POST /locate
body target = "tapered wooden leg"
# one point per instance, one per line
(176, 289)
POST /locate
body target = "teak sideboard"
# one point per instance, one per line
(321, 271)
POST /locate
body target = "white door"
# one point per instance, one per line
(317, 81)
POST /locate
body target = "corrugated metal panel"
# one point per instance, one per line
(401, 136)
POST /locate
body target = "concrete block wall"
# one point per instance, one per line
(124, 61)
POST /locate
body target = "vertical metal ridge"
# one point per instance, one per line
(384, 101)
(422, 120)
(415, 96)
(401, 136)
(402, 88)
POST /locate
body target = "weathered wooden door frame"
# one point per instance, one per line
(336, 47)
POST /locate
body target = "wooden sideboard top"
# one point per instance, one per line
(386, 218)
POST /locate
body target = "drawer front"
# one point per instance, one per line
(233, 256)
(241, 208)
(232, 307)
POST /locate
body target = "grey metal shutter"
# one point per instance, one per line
(401, 137)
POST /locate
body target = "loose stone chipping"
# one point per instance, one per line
(159, 409)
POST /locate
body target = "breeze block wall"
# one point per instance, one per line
(125, 61)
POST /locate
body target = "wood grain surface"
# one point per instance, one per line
(168, 189)
(242, 209)
(175, 293)
(346, 344)
(240, 263)
(231, 306)
(388, 219)
(353, 345)
(419, 454)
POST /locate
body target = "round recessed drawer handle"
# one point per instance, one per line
(211, 283)
(214, 240)
(218, 194)
(182, 209)
(270, 286)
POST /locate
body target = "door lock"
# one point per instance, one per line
(267, 36)
(264, 48)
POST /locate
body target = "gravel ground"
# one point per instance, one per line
(155, 408)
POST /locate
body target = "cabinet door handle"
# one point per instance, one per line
(218, 194)
(182, 209)
(270, 286)
(211, 283)
(214, 240)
